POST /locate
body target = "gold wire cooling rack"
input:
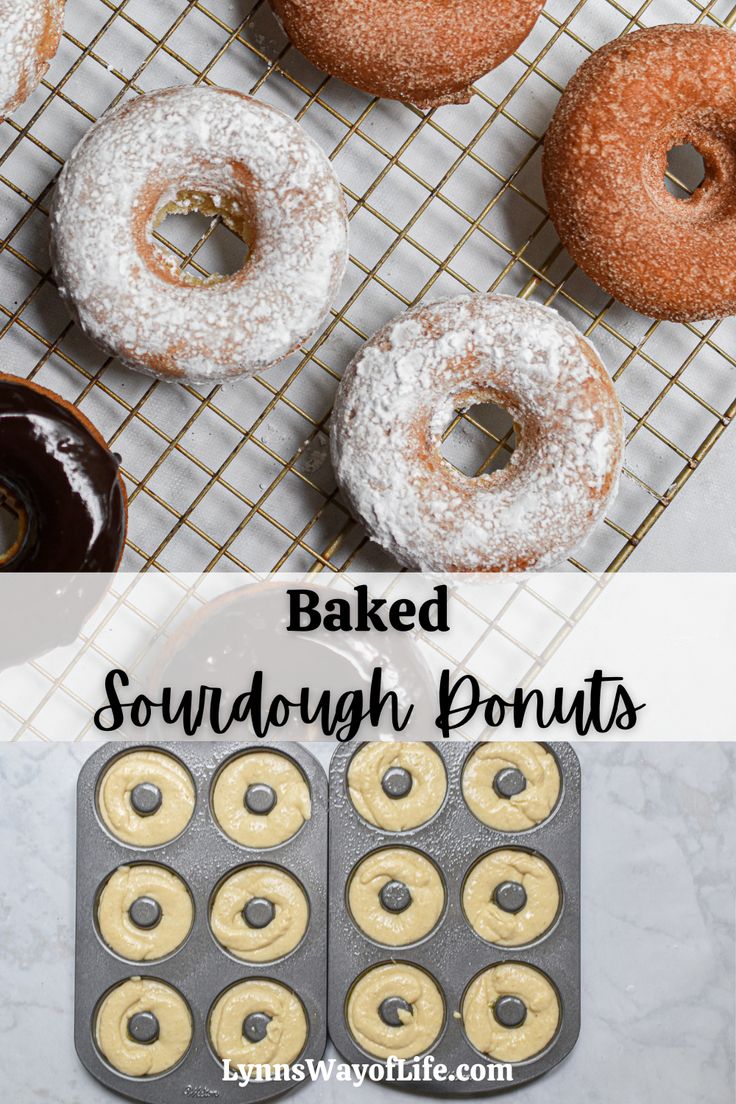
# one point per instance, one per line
(237, 477)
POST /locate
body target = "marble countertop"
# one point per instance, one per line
(658, 931)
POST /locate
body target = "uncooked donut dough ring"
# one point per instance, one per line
(396, 814)
(177, 798)
(511, 1044)
(497, 925)
(522, 810)
(286, 1033)
(420, 1027)
(125, 1001)
(413, 871)
(261, 768)
(125, 886)
(276, 938)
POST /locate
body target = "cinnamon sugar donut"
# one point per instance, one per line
(605, 157)
(30, 31)
(215, 151)
(399, 394)
(425, 52)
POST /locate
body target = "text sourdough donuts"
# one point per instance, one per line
(605, 156)
(219, 152)
(426, 52)
(29, 37)
(68, 484)
(398, 396)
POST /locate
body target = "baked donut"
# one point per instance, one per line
(425, 52)
(30, 31)
(399, 394)
(605, 156)
(71, 497)
(218, 152)
(511, 1012)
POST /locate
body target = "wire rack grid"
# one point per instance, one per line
(238, 477)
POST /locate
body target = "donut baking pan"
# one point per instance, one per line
(448, 952)
(195, 865)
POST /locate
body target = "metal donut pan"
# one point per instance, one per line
(200, 969)
(453, 954)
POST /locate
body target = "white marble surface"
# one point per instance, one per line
(658, 931)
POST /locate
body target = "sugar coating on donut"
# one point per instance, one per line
(398, 396)
(219, 151)
(29, 37)
(605, 156)
(425, 52)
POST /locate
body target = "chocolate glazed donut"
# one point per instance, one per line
(67, 482)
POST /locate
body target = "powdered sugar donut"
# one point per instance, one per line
(215, 151)
(29, 37)
(398, 396)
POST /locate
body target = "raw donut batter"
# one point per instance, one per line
(278, 1017)
(511, 897)
(261, 799)
(396, 786)
(259, 913)
(511, 787)
(116, 1023)
(396, 896)
(410, 1001)
(481, 1005)
(146, 798)
(144, 912)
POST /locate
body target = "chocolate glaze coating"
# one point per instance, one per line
(66, 479)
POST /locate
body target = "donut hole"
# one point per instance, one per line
(479, 440)
(685, 170)
(203, 238)
(13, 525)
